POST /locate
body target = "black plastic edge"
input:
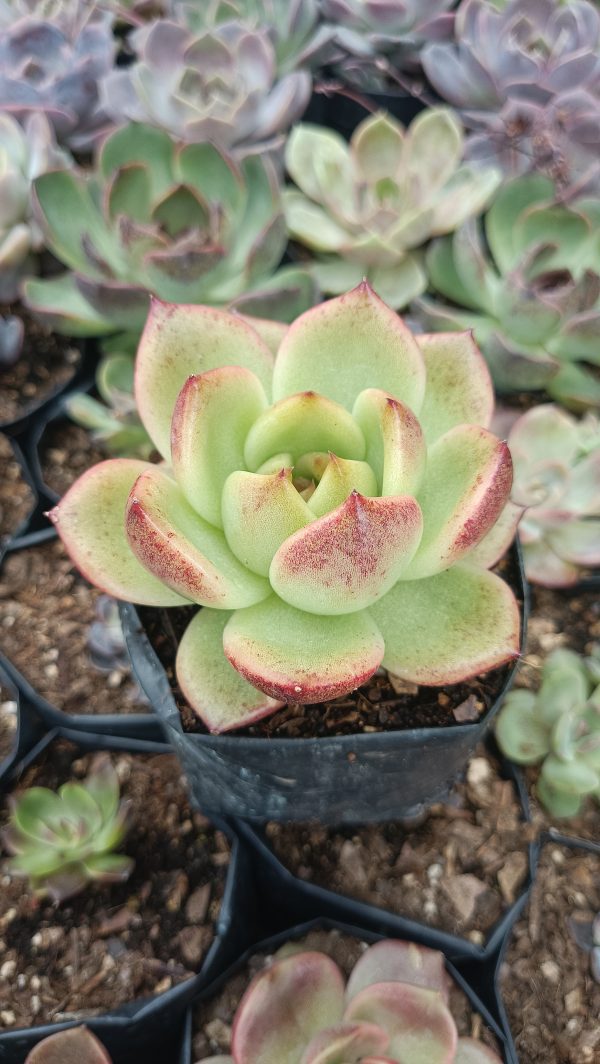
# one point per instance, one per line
(88, 357)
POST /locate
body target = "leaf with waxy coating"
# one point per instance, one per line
(459, 386)
(396, 961)
(259, 513)
(340, 479)
(75, 1046)
(345, 1042)
(470, 1051)
(395, 444)
(420, 1027)
(301, 423)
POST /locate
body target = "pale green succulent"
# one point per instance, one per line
(61, 841)
(113, 419)
(559, 725)
(364, 208)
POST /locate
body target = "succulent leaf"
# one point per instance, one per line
(74, 1046)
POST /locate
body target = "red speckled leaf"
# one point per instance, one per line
(420, 1027)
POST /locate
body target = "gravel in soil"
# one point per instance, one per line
(553, 1003)
(46, 610)
(213, 1019)
(8, 721)
(65, 452)
(114, 943)
(46, 363)
(16, 497)
(457, 867)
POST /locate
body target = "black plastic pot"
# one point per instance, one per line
(327, 902)
(147, 1030)
(341, 106)
(29, 732)
(23, 525)
(346, 780)
(25, 420)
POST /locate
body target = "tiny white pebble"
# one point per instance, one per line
(35, 982)
(36, 940)
(35, 1004)
(434, 872)
(8, 969)
(8, 1018)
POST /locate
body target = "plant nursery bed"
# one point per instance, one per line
(113, 943)
(456, 867)
(213, 1018)
(45, 364)
(553, 1003)
(46, 610)
(16, 497)
(65, 452)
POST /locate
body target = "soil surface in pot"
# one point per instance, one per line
(46, 610)
(457, 867)
(66, 450)
(46, 363)
(552, 1001)
(114, 943)
(381, 704)
(213, 1019)
(16, 497)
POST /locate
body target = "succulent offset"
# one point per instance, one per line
(12, 334)
(394, 1008)
(365, 207)
(63, 840)
(559, 726)
(528, 283)
(77, 1045)
(25, 152)
(321, 506)
(112, 419)
(220, 86)
(183, 222)
(527, 82)
(51, 62)
(557, 482)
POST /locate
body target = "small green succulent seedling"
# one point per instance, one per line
(394, 1008)
(75, 1046)
(12, 334)
(528, 283)
(559, 726)
(113, 419)
(61, 841)
(365, 207)
(322, 505)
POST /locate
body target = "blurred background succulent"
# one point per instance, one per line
(184, 223)
(219, 84)
(526, 80)
(12, 332)
(559, 725)
(52, 57)
(528, 283)
(556, 460)
(25, 152)
(76, 1045)
(112, 419)
(63, 840)
(586, 934)
(364, 207)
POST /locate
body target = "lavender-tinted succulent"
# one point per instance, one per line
(51, 61)
(557, 483)
(559, 725)
(220, 86)
(183, 222)
(586, 933)
(74, 1046)
(526, 79)
(321, 507)
(12, 333)
(25, 152)
(528, 283)
(61, 841)
(394, 1008)
(365, 207)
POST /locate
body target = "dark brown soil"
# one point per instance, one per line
(16, 497)
(8, 721)
(46, 363)
(213, 1019)
(46, 610)
(66, 451)
(552, 1001)
(114, 943)
(457, 867)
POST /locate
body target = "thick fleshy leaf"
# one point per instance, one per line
(470, 1051)
(270, 332)
(543, 566)
(345, 1042)
(448, 627)
(259, 513)
(577, 541)
(346, 345)
(348, 559)
(284, 1007)
(419, 1023)
(213, 688)
(301, 657)
(339, 479)
(190, 556)
(459, 387)
(181, 340)
(521, 736)
(59, 302)
(211, 419)
(90, 520)
(75, 1046)
(465, 489)
(396, 961)
(495, 544)
(395, 444)
(301, 423)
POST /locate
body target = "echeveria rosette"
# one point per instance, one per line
(364, 208)
(183, 222)
(321, 506)
(393, 1010)
(76, 1045)
(527, 281)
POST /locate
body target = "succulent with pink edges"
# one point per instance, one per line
(321, 505)
(394, 1008)
(75, 1046)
